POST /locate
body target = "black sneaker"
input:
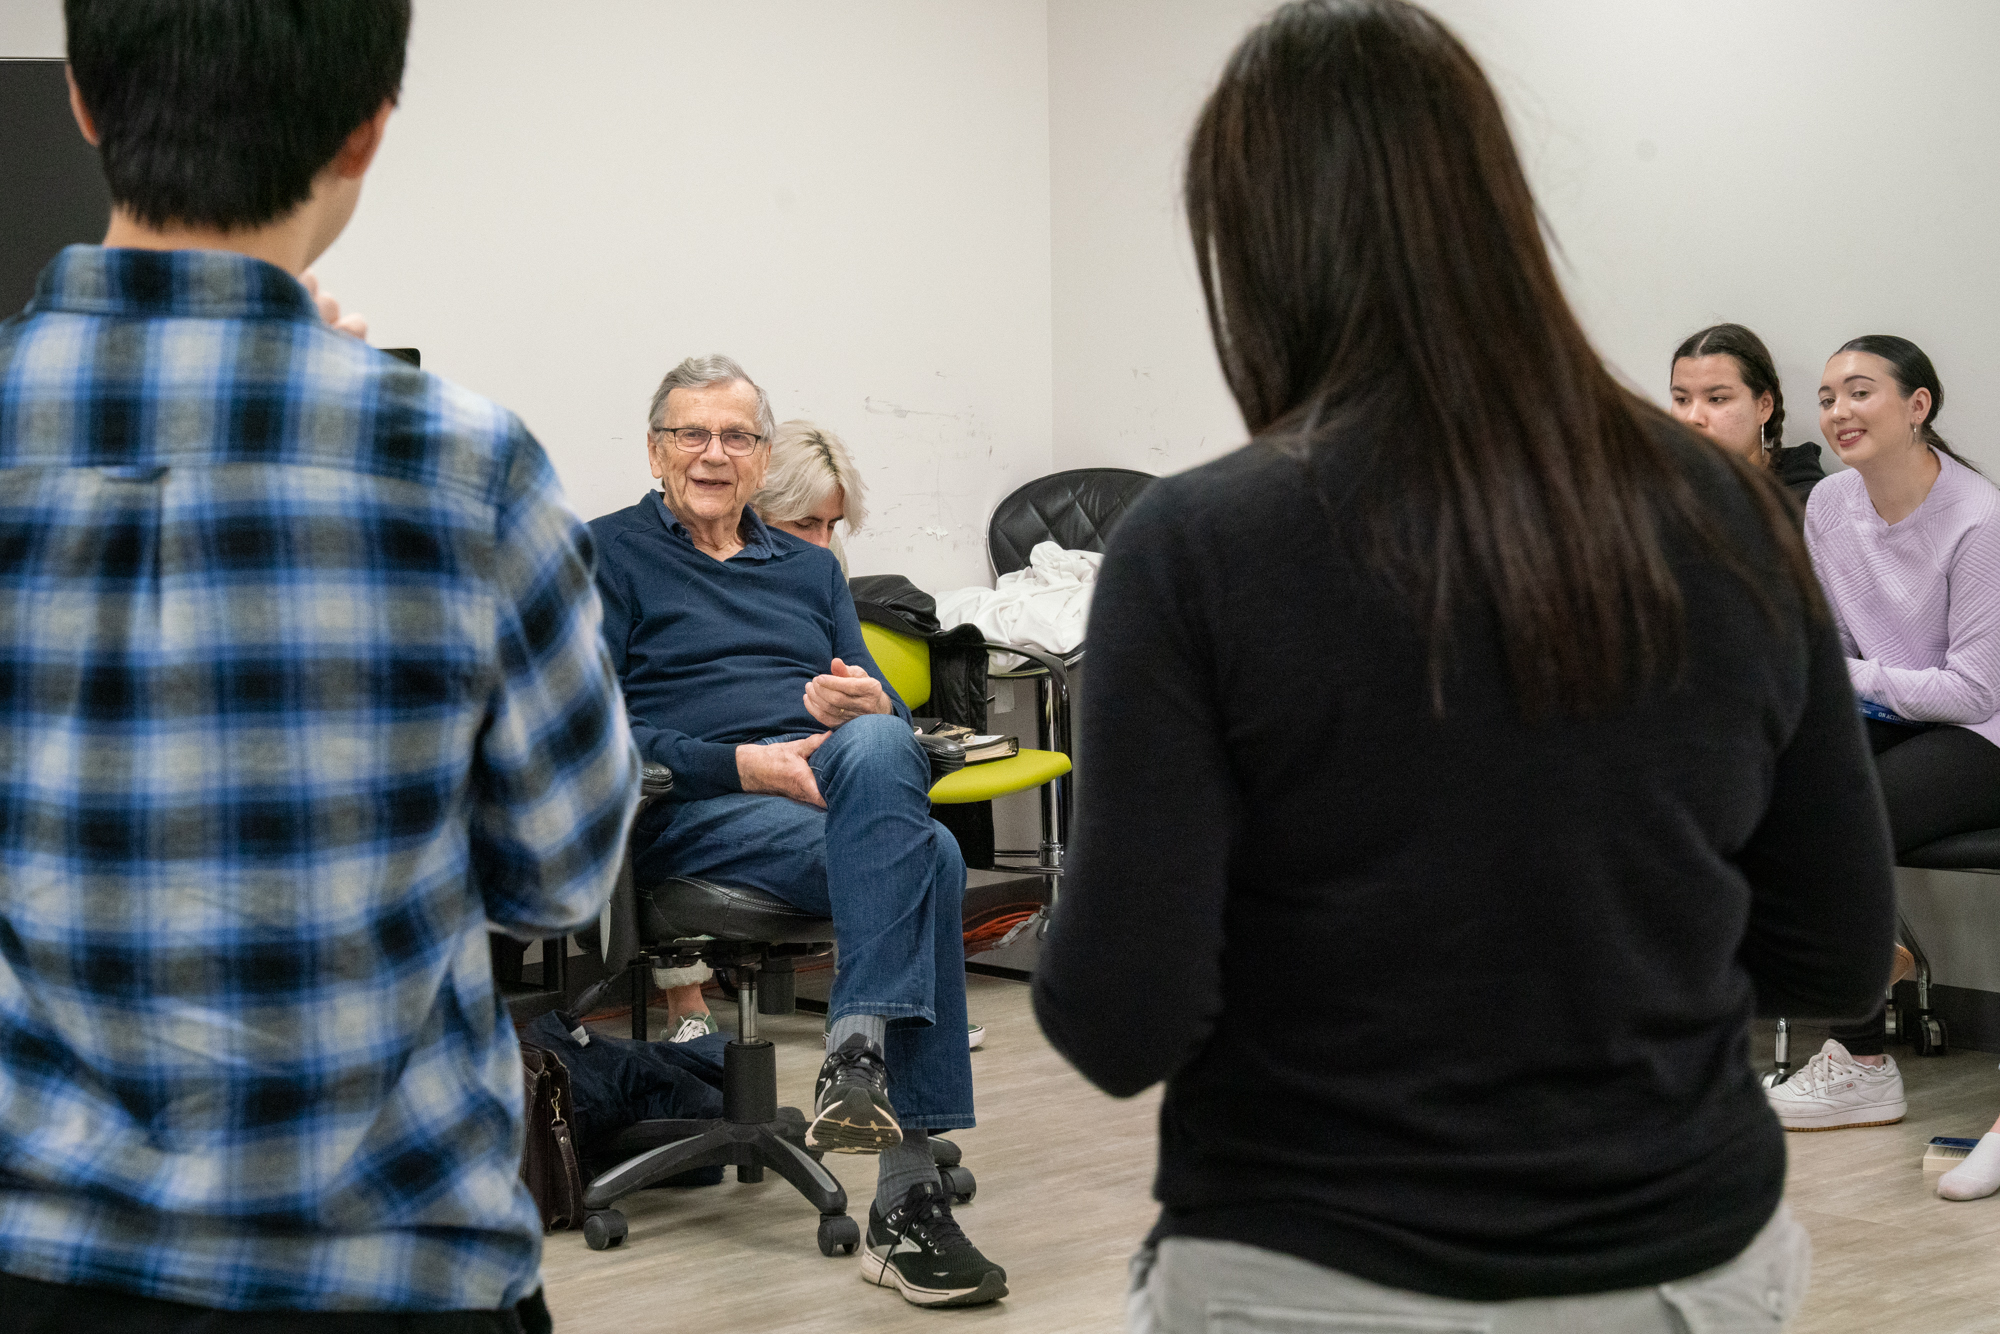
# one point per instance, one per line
(920, 1249)
(851, 1111)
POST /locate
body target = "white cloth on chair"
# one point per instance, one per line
(1044, 606)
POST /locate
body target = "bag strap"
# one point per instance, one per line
(567, 1211)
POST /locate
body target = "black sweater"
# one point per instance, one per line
(1456, 1005)
(1798, 467)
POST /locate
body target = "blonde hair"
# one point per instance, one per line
(807, 463)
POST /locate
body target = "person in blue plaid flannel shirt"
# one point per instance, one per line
(302, 686)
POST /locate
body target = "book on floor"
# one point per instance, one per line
(1944, 1152)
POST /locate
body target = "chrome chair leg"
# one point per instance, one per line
(1781, 1051)
(1924, 1031)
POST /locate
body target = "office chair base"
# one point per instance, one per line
(651, 1151)
(1925, 1033)
(838, 1235)
(603, 1229)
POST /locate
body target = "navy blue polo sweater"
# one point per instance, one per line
(715, 653)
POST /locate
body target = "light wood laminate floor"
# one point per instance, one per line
(1064, 1178)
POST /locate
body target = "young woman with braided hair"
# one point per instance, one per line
(1725, 385)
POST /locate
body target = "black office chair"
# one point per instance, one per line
(755, 938)
(1076, 510)
(1978, 852)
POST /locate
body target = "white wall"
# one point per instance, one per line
(31, 29)
(1815, 169)
(850, 199)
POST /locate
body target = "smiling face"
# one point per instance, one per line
(713, 486)
(1709, 395)
(1863, 414)
(817, 527)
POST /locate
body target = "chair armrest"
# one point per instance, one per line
(945, 755)
(1058, 697)
(655, 780)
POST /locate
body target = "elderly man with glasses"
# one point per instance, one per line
(796, 772)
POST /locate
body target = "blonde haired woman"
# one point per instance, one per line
(812, 487)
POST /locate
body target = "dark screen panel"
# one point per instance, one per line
(51, 191)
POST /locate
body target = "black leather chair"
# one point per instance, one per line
(1925, 1032)
(755, 938)
(1076, 510)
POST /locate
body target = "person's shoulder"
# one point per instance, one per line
(1798, 465)
(608, 528)
(415, 425)
(815, 566)
(1251, 485)
(1970, 493)
(1968, 515)
(791, 544)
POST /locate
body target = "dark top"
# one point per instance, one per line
(1457, 1005)
(715, 653)
(1798, 467)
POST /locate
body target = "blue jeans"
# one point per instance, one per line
(888, 875)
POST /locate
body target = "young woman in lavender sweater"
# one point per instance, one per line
(1907, 546)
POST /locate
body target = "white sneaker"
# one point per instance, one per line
(693, 1026)
(975, 1035)
(1833, 1091)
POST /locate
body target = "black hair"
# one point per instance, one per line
(1381, 298)
(219, 113)
(1753, 363)
(1913, 371)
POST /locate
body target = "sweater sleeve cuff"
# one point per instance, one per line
(1866, 678)
(701, 768)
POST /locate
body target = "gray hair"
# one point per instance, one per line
(700, 372)
(807, 463)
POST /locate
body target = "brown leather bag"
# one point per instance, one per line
(548, 1159)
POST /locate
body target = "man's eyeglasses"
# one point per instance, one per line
(694, 439)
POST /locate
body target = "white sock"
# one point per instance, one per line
(1978, 1176)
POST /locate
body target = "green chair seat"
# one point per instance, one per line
(998, 778)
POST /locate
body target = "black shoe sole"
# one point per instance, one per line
(854, 1123)
(991, 1288)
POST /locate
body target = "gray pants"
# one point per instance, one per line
(1188, 1286)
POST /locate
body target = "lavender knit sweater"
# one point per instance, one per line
(1918, 602)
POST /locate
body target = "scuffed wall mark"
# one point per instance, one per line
(935, 532)
(884, 407)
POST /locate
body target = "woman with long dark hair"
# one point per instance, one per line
(1907, 544)
(1725, 385)
(1470, 755)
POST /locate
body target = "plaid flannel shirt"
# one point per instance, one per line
(301, 686)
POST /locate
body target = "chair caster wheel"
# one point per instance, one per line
(838, 1235)
(958, 1183)
(1927, 1035)
(603, 1229)
(1773, 1078)
(944, 1153)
